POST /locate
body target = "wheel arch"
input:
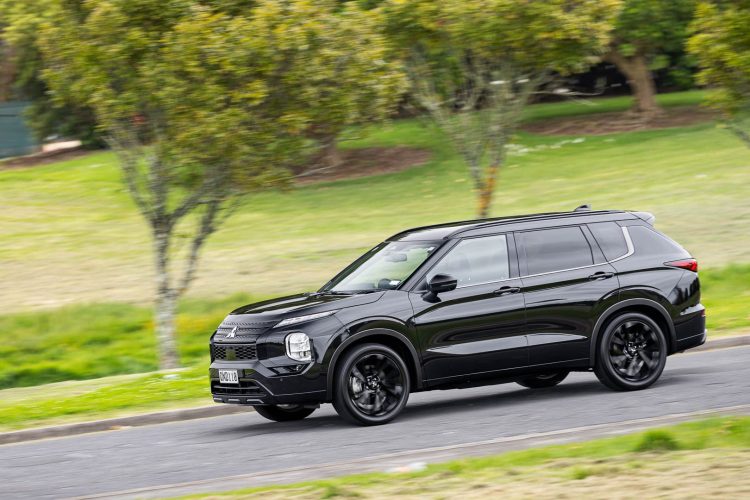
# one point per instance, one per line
(393, 339)
(648, 307)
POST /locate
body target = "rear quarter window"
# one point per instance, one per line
(648, 241)
(610, 238)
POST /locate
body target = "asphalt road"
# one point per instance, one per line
(243, 450)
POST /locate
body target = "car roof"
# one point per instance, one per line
(461, 229)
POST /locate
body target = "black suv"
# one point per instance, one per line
(517, 299)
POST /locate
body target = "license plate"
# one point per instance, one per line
(229, 377)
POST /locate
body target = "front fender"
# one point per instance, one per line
(349, 337)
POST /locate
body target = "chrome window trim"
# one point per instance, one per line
(629, 242)
(630, 252)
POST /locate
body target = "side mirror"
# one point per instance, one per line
(441, 283)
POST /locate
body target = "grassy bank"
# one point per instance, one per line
(79, 401)
(697, 459)
(76, 256)
(90, 341)
(71, 234)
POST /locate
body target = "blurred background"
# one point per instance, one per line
(165, 161)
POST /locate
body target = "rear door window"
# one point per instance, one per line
(610, 238)
(557, 249)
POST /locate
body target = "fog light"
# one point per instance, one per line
(298, 347)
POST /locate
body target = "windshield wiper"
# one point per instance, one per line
(348, 292)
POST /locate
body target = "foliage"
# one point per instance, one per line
(649, 35)
(654, 29)
(722, 45)
(20, 24)
(494, 55)
(202, 106)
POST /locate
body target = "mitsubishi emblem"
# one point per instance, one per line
(232, 334)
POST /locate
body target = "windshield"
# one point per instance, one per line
(384, 267)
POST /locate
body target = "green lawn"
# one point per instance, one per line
(77, 401)
(71, 234)
(75, 255)
(710, 457)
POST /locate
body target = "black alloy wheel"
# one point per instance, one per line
(283, 413)
(372, 385)
(632, 353)
(542, 380)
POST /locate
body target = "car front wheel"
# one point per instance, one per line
(371, 386)
(632, 353)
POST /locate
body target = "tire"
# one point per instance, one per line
(631, 354)
(542, 380)
(283, 413)
(371, 385)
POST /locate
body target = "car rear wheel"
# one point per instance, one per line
(283, 413)
(632, 353)
(542, 380)
(371, 386)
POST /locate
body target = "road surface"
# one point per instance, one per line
(243, 450)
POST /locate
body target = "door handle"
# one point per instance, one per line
(506, 290)
(601, 275)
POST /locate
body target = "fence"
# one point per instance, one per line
(15, 137)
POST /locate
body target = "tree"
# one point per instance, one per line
(644, 35)
(491, 55)
(200, 107)
(721, 42)
(21, 65)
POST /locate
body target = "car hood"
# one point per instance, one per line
(305, 303)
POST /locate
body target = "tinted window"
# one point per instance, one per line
(555, 249)
(610, 238)
(649, 242)
(476, 261)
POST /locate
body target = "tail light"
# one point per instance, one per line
(687, 264)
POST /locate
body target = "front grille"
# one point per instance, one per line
(246, 330)
(234, 352)
(244, 388)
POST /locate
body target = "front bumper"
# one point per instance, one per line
(268, 385)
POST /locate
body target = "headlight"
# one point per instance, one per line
(298, 347)
(302, 319)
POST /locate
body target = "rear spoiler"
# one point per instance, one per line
(646, 217)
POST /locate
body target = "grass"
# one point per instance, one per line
(89, 341)
(71, 234)
(76, 264)
(76, 401)
(712, 457)
(569, 108)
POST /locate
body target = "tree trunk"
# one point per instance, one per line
(166, 301)
(329, 154)
(486, 191)
(641, 82)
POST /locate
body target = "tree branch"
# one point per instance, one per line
(205, 228)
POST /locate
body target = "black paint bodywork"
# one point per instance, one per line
(472, 335)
